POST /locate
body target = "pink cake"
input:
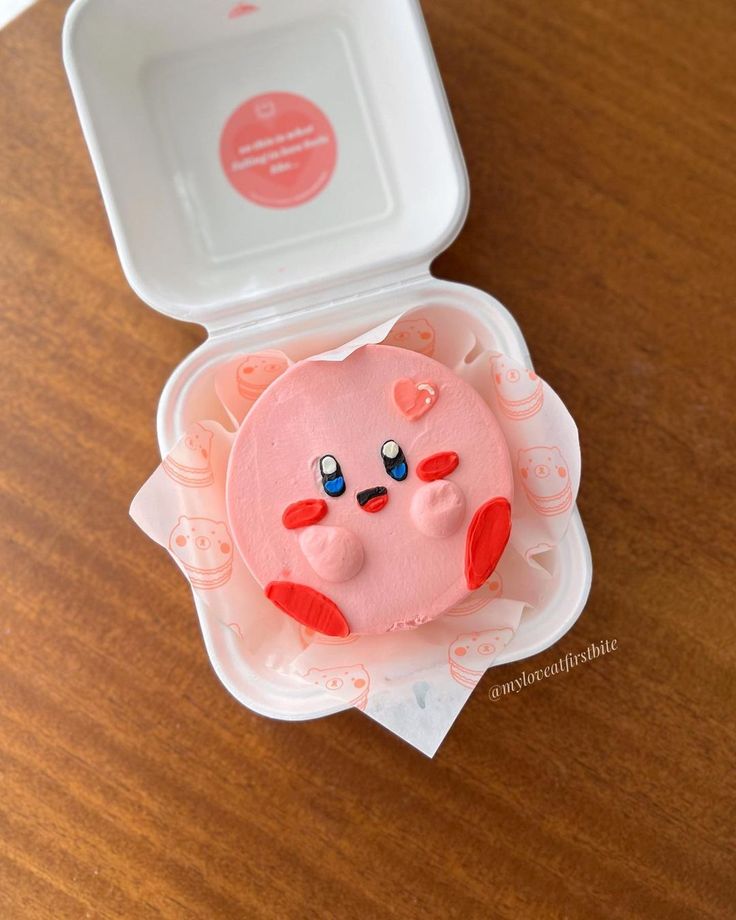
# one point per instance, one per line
(369, 494)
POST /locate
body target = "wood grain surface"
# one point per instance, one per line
(599, 138)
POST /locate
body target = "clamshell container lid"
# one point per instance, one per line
(368, 181)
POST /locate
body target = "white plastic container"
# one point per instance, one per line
(284, 175)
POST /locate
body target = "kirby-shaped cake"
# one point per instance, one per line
(369, 494)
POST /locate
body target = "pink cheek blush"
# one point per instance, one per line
(328, 441)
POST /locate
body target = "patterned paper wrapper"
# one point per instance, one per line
(414, 682)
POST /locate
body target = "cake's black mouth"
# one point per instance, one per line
(374, 499)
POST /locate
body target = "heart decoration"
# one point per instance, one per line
(414, 400)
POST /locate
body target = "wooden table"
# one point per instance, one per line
(600, 144)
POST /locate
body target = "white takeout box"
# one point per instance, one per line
(155, 82)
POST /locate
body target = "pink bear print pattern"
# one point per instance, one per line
(414, 334)
(472, 653)
(350, 683)
(476, 601)
(257, 371)
(205, 551)
(189, 463)
(545, 477)
(519, 390)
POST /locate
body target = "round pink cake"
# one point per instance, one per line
(369, 494)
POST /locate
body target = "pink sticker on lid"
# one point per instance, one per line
(278, 150)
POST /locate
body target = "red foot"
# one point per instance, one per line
(487, 537)
(308, 607)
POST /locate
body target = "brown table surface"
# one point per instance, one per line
(600, 144)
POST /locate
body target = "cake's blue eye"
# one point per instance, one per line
(394, 461)
(333, 482)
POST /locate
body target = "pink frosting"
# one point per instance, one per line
(335, 553)
(398, 558)
(438, 509)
